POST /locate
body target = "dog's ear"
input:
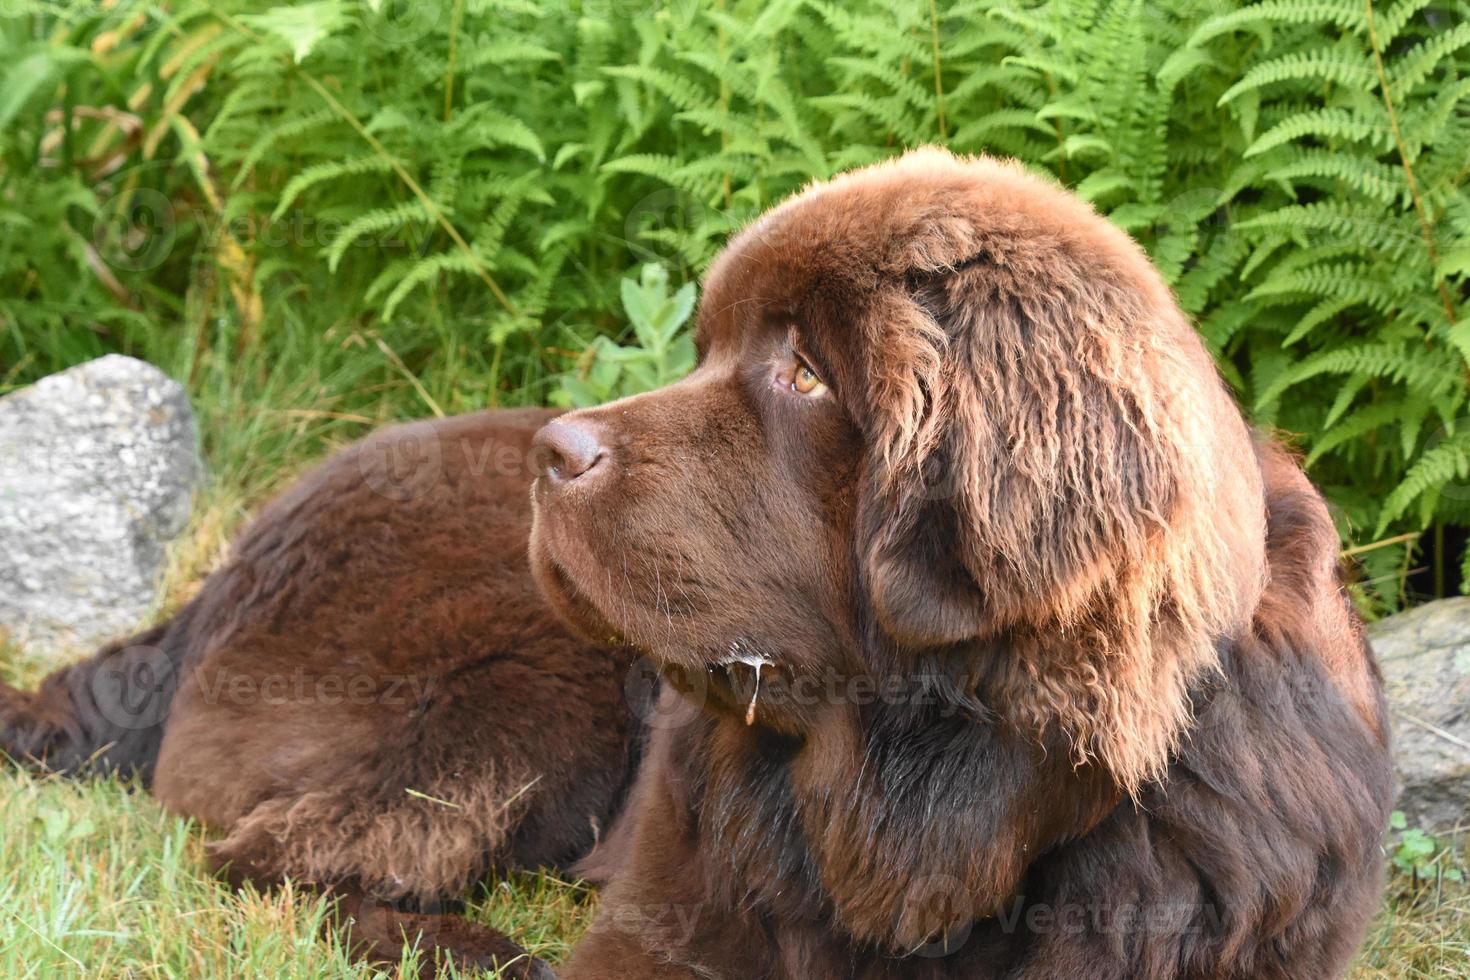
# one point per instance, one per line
(1043, 479)
(921, 591)
(1020, 466)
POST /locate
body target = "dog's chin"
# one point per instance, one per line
(575, 583)
(575, 603)
(720, 678)
(559, 586)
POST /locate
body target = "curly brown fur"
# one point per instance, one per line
(1130, 728)
(370, 693)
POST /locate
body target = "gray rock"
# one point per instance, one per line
(97, 467)
(1425, 655)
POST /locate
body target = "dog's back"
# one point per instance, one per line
(370, 692)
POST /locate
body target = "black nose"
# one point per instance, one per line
(565, 449)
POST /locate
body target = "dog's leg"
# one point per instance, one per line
(378, 932)
(390, 860)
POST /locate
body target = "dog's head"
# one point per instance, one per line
(943, 412)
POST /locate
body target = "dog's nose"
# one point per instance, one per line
(565, 450)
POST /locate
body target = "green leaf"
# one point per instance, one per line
(641, 305)
(677, 313)
(30, 74)
(300, 26)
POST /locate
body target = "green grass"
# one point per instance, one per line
(100, 881)
(1418, 936)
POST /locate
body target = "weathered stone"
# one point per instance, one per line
(1425, 654)
(97, 467)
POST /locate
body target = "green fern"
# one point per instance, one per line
(1359, 166)
(471, 189)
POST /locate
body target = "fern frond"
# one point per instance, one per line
(323, 172)
(1445, 463)
(372, 223)
(868, 32)
(490, 127)
(483, 52)
(1260, 17)
(426, 270)
(893, 80)
(1408, 70)
(1352, 284)
(891, 114)
(1334, 65)
(1419, 369)
(979, 130)
(1393, 21)
(1324, 312)
(1354, 428)
(1367, 176)
(291, 128)
(1363, 226)
(1329, 124)
(1423, 122)
(673, 87)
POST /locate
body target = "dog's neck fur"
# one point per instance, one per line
(841, 827)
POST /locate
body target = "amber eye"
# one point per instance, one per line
(805, 381)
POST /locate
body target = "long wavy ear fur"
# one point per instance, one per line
(1058, 473)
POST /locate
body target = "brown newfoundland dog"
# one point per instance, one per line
(993, 644)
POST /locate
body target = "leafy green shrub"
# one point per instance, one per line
(463, 186)
(1419, 856)
(662, 351)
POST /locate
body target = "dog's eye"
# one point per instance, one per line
(804, 380)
